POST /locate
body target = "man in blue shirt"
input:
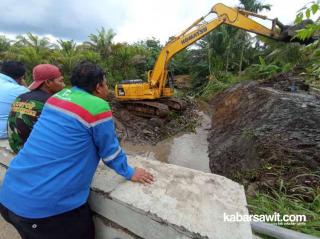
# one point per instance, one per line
(44, 193)
(11, 86)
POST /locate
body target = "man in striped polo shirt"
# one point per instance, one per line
(44, 193)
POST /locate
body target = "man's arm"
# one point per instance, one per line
(109, 149)
(113, 156)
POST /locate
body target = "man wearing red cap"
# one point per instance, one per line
(47, 80)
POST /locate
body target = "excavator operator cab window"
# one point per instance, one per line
(121, 91)
(135, 81)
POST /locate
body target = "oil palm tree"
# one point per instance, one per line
(4, 46)
(252, 6)
(66, 55)
(101, 42)
(34, 41)
(32, 49)
(67, 46)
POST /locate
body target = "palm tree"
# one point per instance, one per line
(33, 41)
(122, 58)
(67, 46)
(66, 55)
(101, 42)
(223, 50)
(32, 49)
(153, 47)
(252, 6)
(4, 45)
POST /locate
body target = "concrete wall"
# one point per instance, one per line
(182, 203)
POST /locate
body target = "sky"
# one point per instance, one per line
(131, 20)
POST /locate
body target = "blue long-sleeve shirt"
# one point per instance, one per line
(9, 91)
(53, 171)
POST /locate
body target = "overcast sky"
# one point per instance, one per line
(132, 20)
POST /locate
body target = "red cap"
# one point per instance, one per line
(43, 72)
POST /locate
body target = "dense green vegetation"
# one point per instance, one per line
(225, 56)
(120, 60)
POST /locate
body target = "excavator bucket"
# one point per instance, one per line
(288, 33)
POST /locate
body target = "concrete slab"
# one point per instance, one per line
(7, 231)
(4, 143)
(188, 202)
(107, 230)
(6, 153)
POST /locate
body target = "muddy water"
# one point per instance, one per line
(188, 150)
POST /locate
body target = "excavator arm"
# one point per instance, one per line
(139, 93)
(237, 18)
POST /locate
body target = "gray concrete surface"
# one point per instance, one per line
(182, 203)
(7, 231)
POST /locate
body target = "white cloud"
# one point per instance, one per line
(132, 20)
(162, 19)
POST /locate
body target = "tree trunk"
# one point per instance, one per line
(227, 61)
(241, 57)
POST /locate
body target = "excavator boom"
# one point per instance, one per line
(157, 86)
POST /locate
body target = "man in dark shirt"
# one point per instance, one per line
(27, 107)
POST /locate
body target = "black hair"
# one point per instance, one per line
(14, 69)
(86, 76)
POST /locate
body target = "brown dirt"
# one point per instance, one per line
(139, 130)
(263, 135)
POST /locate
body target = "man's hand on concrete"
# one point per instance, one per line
(142, 176)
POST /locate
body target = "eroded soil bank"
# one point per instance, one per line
(266, 135)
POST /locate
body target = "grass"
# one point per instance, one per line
(213, 87)
(248, 133)
(184, 124)
(283, 203)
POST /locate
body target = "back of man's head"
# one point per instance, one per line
(86, 76)
(13, 69)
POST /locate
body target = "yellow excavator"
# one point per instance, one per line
(154, 98)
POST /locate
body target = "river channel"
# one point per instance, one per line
(188, 149)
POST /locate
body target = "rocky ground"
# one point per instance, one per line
(266, 134)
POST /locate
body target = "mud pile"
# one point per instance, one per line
(140, 130)
(265, 134)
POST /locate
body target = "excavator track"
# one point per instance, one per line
(174, 103)
(147, 109)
